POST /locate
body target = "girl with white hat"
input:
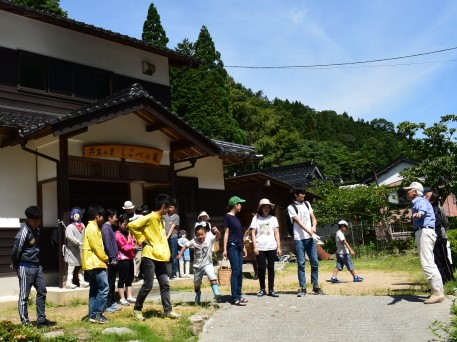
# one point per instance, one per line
(267, 244)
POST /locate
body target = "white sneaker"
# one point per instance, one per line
(131, 300)
(70, 286)
(124, 302)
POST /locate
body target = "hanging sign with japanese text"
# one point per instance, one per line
(144, 154)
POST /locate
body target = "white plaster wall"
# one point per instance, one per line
(393, 175)
(47, 169)
(209, 171)
(128, 129)
(17, 32)
(50, 204)
(17, 181)
(136, 193)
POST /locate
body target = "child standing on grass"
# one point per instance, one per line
(343, 254)
(203, 263)
(184, 262)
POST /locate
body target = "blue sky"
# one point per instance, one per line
(299, 32)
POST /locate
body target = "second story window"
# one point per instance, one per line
(32, 71)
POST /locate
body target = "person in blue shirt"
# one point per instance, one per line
(423, 219)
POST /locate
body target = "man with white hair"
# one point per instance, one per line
(424, 227)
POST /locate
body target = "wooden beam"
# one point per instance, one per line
(180, 145)
(155, 126)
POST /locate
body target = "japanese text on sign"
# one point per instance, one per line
(140, 153)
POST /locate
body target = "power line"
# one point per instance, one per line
(310, 66)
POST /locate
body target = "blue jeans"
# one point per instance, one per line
(98, 291)
(310, 247)
(173, 243)
(235, 255)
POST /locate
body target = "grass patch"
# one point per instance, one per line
(71, 320)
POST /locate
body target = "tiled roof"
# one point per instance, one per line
(237, 150)
(296, 175)
(175, 58)
(33, 122)
(25, 119)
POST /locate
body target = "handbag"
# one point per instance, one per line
(225, 272)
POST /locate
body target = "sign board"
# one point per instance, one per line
(144, 154)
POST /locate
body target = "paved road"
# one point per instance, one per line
(326, 318)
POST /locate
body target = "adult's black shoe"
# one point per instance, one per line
(46, 324)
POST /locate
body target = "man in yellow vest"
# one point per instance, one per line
(149, 231)
(94, 261)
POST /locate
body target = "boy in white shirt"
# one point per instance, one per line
(343, 254)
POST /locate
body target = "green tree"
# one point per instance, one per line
(50, 6)
(153, 31)
(436, 148)
(201, 96)
(356, 204)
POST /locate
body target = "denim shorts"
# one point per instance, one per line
(344, 260)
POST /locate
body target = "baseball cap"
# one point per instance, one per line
(342, 223)
(235, 200)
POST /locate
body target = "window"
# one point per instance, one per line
(32, 70)
(8, 66)
(60, 76)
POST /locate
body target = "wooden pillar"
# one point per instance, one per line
(63, 202)
(172, 173)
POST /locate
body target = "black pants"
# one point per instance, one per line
(112, 272)
(150, 267)
(442, 261)
(264, 258)
(125, 273)
(28, 277)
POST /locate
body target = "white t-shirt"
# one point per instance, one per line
(340, 246)
(265, 232)
(202, 250)
(305, 216)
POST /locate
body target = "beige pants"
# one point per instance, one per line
(425, 241)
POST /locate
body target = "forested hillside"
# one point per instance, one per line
(284, 132)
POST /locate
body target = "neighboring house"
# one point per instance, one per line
(391, 176)
(85, 118)
(297, 175)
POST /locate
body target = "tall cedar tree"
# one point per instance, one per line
(201, 96)
(50, 6)
(153, 31)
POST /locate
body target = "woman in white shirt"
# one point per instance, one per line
(267, 244)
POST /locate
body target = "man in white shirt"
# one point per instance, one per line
(305, 225)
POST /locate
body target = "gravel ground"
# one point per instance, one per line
(327, 318)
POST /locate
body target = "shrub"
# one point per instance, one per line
(18, 332)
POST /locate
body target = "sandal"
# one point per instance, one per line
(239, 303)
(243, 300)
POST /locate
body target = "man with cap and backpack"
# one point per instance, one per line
(304, 226)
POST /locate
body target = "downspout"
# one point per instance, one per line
(59, 205)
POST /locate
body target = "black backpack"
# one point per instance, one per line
(290, 221)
